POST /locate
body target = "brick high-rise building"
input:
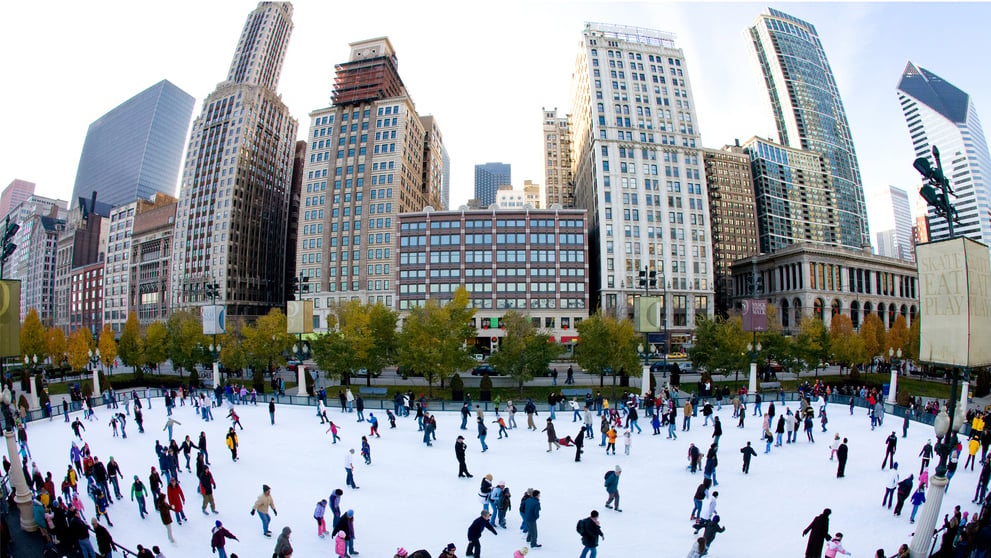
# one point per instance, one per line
(370, 158)
(559, 187)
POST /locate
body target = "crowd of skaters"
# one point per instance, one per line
(622, 415)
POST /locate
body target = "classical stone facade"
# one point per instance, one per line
(811, 280)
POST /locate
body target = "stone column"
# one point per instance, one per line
(33, 391)
(752, 386)
(96, 383)
(645, 382)
(216, 374)
(893, 388)
(925, 523)
(22, 494)
(301, 378)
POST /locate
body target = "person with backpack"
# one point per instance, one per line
(591, 531)
(612, 487)
(503, 506)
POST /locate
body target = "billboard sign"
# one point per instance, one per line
(647, 314)
(299, 316)
(10, 318)
(955, 302)
(754, 315)
(214, 319)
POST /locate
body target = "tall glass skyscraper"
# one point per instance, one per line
(231, 223)
(488, 178)
(938, 113)
(135, 150)
(809, 113)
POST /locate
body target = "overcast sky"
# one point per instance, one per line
(484, 72)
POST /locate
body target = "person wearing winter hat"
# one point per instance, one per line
(262, 504)
(521, 552)
(400, 553)
(219, 539)
(283, 548)
(448, 551)
(346, 525)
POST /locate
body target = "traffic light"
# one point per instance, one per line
(300, 284)
(9, 230)
(937, 190)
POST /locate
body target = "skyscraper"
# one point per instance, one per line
(795, 203)
(370, 158)
(488, 178)
(809, 113)
(732, 216)
(33, 262)
(559, 188)
(135, 150)
(234, 201)
(16, 192)
(895, 241)
(639, 173)
(940, 114)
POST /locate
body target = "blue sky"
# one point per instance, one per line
(484, 71)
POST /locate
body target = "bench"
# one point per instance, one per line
(575, 392)
(376, 391)
(770, 385)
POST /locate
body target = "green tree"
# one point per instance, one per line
(267, 342)
(185, 336)
(607, 344)
(56, 345)
(233, 357)
(872, 334)
(156, 344)
(130, 347)
(382, 322)
(812, 345)
(108, 347)
(731, 354)
(706, 342)
(846, 346)
(432, 340)
(525, 352)
(78, 348)
(33, 336)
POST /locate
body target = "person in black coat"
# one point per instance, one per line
(904, 490)
(747, 452)
(459, 450)
(579, 442)
(591, 531)
(104, 542)
(475, 533)
(818, 532)
(841, 454)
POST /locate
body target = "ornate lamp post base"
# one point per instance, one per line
(925, 527)
(22, 495)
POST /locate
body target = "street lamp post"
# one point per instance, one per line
(213, 291)
(753, 349)
(892, 355)
(94, 359)
(946, 427)
(32, 389)
(301, 349)
(647, 279)
(22, 494)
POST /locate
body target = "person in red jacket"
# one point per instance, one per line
(176, 500)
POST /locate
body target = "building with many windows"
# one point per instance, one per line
(41, 220)
(559, 187)
(531, 261)
(508, 197)
(150, 256)
(488, 178)
(135, 150)
(809, 113)
(80, 256)
(804, 280)
(795, 202)
(370, 158)
(639, 173)
(232, 218)
(731, 215)
(16, 192)
(940, 115)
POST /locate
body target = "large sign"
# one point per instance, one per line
(10, 318)
(214, 319)
(955, 302)
(647, 314)
(754, 315)
(299, 316)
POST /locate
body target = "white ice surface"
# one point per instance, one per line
(411, 496)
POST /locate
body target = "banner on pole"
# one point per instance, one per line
(10, 318)
(754, 315)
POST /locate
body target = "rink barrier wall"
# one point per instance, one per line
(836, 404)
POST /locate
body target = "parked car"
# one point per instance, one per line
(677, 356)
(479, 357)
(483, 370)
